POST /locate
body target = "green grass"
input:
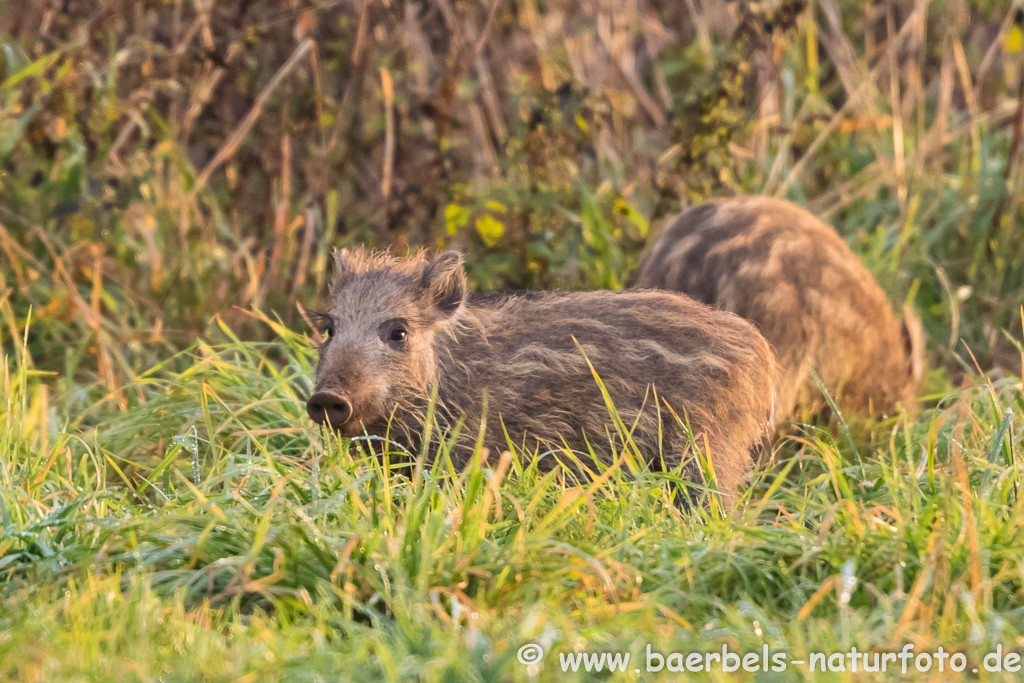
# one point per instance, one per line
(205, 531)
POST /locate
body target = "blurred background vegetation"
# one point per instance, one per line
(165, 162)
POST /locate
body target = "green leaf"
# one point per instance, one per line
(33, 69)
(624, 208)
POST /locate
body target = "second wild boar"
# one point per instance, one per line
(777, 265)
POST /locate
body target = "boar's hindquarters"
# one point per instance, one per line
(793, 276)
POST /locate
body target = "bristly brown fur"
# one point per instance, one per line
(795, 278)
(521, 352)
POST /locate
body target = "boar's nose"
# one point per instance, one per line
(327, 406)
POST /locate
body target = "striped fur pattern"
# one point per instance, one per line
(520, 351)
(794, 277)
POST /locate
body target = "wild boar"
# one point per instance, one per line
(777, 265)
(399, 329)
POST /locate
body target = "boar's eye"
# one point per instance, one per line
(397, 337)
(323, 324)
(394, 333)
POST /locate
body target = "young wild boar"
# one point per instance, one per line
(793, 276)
(400, 328)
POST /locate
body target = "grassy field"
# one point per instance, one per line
(173, 178)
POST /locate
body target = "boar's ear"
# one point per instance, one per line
(445, 282)
(913, 341)
(342, 266)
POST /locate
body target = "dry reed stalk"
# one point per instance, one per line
(343, 126)
(283, 207)
(492, 103)
(837, 118)
(855, 76)
(993, 51)
(304, 254)
(897, 114)
(388, 87)
(946, 83)
(703, 33)
(915, 73)
(230, 146)
(1011, 162)
(485, 31)
(973, 110)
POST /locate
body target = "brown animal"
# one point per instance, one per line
(794, 277)
(400, 328)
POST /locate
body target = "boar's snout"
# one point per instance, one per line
(328, 406)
